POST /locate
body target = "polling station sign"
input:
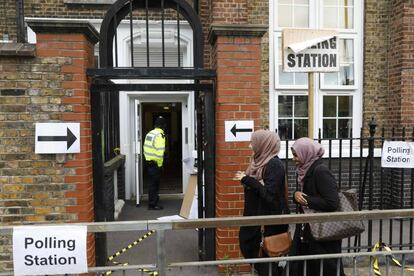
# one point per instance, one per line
(397, 154)
(47, 250)
(310, 50)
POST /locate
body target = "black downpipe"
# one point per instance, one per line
(196, 7)
(21, 37)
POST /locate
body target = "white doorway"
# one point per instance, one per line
(136, 119)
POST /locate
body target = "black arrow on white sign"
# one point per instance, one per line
(234, 130)
(70, 138)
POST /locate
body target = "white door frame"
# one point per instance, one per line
(127, 130)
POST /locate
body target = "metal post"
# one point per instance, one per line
(372, 126)
(98, 176)
(310, 104)
(161, 253)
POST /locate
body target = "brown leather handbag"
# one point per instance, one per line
(279, 244)
(276, 245)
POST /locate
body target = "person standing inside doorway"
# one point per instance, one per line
(154, 148)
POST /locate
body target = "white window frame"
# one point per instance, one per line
(294, 13)
(357, 63)
(320, 89)
(336, 117)
(293, 108)
(322, 18)
(279, 86)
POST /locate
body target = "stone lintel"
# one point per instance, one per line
(17, 49)
(55, 26)
(241, 30)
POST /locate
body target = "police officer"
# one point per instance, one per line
(154, 148)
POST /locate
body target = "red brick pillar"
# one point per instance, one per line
(236, 56)
(71, 46)
(401, 63)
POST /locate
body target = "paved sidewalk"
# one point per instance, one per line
(182, 245)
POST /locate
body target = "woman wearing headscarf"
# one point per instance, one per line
(318, 191)
(264, 191)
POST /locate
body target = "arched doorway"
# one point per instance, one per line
(141, 83)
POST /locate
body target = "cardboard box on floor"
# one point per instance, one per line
(190, 203)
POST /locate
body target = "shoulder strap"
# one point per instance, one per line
(286, 191)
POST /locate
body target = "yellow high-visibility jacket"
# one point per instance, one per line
(154, 146)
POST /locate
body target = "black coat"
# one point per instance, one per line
(267, 199)
(322, 195)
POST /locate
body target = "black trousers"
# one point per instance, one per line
(154, 176)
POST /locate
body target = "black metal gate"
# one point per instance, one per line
(106, 87)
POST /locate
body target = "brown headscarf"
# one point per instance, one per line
(308, 151)
(265, 145)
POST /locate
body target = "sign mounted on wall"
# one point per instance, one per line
(57, 138)
(309, 50)
(238, 131)
(397, 154)
(47, 250)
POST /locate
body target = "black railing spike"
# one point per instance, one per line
(372, 126)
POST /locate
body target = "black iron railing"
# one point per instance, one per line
(356, 164)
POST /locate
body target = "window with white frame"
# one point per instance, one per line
(293, 116)
(345, 76)
(337, 117)
(287, 78)
(293, 13)
(337, 14)
(337, 104)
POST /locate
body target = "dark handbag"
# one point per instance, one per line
(337, 230)
(279, 244)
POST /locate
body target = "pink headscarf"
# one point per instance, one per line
(265, 145)
(308, 151)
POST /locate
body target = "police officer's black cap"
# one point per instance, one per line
(160, 122)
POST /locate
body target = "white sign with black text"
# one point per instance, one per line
(397, 154)
(47, 250)
(238, 131)
(309, 50)
(57, 138)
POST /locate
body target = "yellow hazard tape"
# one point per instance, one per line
(123, 250)
(375, 263)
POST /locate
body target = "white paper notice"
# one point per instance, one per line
(397, 154)
(47, 250)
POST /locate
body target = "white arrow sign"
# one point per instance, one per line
(57, 138)
(238, 131)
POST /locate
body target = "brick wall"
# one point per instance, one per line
(230, 11)
(237, 61)
(376, 40)
(51, 87)
(8, 19)
(402, 40)
(395, 63)
(388, 59)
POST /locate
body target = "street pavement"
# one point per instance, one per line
(182, 245)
